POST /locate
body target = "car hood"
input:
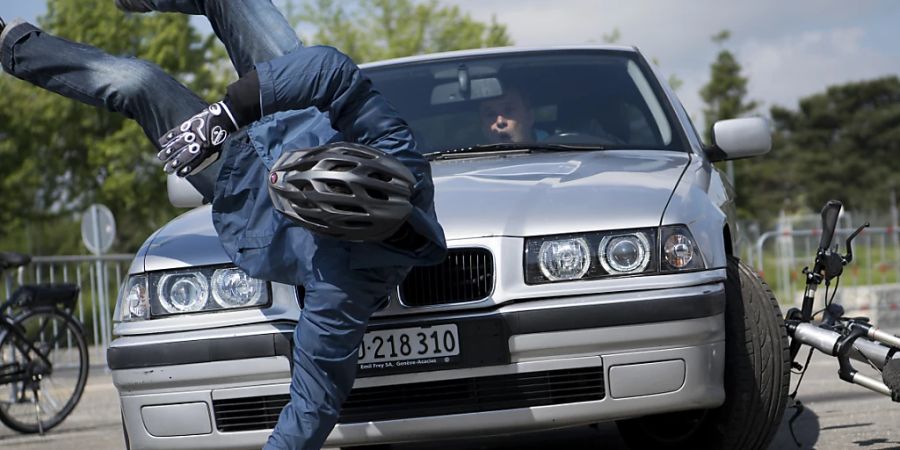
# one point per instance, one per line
(512, 195)
(553, 193)
(188, 240)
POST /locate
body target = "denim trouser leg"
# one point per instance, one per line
(253, 31)
(336, 309)
(138, 89)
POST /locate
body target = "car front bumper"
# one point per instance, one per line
(633, 354)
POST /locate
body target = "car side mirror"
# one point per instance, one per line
(182, 194)
(740, 138)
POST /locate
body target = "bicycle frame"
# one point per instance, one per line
(843, 338)
(26, 347)
(25, 323)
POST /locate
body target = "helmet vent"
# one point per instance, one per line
(337, 166)
(380, 176)
(338, 187)
(349, 208)
(304, 166)
(377, 195)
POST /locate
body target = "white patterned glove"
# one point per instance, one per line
(196, 143)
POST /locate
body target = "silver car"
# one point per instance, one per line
(591, 277)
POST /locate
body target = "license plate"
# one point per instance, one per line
(404, 344)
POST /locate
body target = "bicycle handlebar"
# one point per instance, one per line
(883, 357)
(826, 341)
(829, 223)
(843, 338)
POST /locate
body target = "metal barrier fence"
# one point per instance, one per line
(779, 256)
(99, 278)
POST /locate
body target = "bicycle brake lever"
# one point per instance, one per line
(849, 256)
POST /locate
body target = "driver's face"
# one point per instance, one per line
(507, 119)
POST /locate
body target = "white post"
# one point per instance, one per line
(895, 237)
(101, 281)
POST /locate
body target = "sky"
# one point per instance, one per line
(788, 48)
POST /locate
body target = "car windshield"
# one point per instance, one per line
(584, 99)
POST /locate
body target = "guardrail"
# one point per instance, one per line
(99, 278)
(779, 256)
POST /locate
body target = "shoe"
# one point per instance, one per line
(138, 6)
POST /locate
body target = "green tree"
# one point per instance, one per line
(726, 90)
(840, 143)
(57, 156)
(725, 98)
(380, 29)
(843, 143)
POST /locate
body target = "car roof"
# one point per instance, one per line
(492, 51)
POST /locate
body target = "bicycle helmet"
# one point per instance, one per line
(345, 190)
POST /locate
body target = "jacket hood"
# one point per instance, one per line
(553, 193)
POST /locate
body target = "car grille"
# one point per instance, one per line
(249, 413)
(466, 275)
(433, 398)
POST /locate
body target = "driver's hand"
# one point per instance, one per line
(196, 143)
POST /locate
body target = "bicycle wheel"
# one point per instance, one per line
(41, 402)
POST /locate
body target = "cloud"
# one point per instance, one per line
(788, 49)
(782, 70)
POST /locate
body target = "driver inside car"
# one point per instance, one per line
(508, 118)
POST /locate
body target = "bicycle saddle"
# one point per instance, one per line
(9, 260)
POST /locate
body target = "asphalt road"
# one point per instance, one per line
(838, 416)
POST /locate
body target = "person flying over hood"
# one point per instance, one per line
(246, 153)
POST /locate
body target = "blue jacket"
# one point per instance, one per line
(309, 97)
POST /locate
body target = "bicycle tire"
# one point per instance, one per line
(13, 406)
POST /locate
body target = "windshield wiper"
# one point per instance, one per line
(507, 147)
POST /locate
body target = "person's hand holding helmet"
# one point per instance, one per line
(196, 143)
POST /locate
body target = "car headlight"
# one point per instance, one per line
(182, 292)
(233, 288)
(207, 289)
(135, 302)
(564, 259)
(679, 251)
(626, 253)
(586, 256)
(589, 255)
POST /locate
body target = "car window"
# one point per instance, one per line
(601, 98)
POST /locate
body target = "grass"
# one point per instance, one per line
(875, 262)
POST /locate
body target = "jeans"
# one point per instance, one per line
(252, 31)
(339, 299)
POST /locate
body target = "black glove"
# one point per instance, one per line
(196, 143)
